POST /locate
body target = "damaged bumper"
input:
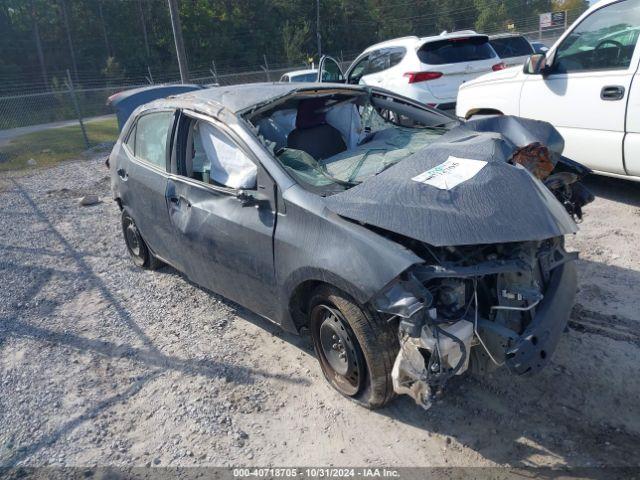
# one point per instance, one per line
(497, 312)
(532, 350)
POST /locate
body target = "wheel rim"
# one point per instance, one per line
(338, 350)
(133, 240)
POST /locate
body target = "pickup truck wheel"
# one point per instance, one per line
(136, 245)
(356, 349)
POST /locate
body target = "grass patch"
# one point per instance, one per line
(55, 145)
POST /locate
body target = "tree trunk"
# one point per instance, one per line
(144, 29)
(107, 46)
(65, 20)
(36, 35)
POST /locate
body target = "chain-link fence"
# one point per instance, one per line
(59, 105)
(56, 106)
(76, 102)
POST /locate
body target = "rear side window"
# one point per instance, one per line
(509, 47)
(131, 140)
(380, 60)
(456, 50)
(358, 70)
(151, 133)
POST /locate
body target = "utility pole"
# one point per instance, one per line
(177, 36)
(318, 29)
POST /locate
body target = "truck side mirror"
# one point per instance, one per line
(536, 64)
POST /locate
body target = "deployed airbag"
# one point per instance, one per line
(229, 165)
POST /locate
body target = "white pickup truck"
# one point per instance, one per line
(587, 86)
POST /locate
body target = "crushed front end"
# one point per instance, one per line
(478, 307)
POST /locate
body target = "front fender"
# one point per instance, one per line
(503, 97)
(314, 244)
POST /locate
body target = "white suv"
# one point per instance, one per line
(428, 70)
(587, 86)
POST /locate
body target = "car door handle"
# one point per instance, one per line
(612, 92)
(179, 200)
(122, 173)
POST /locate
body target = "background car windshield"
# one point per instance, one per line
(606, 39)
(508, 47)
(304, 77)
(456, 50)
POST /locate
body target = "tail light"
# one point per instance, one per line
(415, 77)
(498, 66)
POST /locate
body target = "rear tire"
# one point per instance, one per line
(136, 246)
(356, 349)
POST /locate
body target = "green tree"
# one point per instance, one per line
(294, 42)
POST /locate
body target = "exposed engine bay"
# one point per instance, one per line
(478, 308)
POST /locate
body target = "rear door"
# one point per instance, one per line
(458, 60)
(381, 68)
(585, 94)
(224, 222)
(143, 178)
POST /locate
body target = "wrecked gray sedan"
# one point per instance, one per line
(411, 246)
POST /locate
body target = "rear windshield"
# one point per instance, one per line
(509, 47)
(456, 50)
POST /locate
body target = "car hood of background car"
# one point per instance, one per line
(500, 203)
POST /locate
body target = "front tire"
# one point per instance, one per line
(356, 349)
(136, 246)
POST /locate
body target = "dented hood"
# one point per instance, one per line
(462, 190)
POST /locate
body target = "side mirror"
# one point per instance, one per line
(536, 64)
(252, 198)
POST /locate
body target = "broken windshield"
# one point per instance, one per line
(329, 144)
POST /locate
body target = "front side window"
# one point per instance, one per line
(331, 71)
(604, 40)
(152, 130)
(213, 158)
(456, 50)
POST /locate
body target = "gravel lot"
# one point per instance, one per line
(102, 363)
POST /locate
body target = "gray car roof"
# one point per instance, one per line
(240, 97)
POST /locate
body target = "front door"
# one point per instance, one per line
(222, 206)
(585, 93)
(329, 71)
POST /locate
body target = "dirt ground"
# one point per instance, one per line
(102, 363)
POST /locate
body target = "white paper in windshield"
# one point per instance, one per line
(450, 173)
